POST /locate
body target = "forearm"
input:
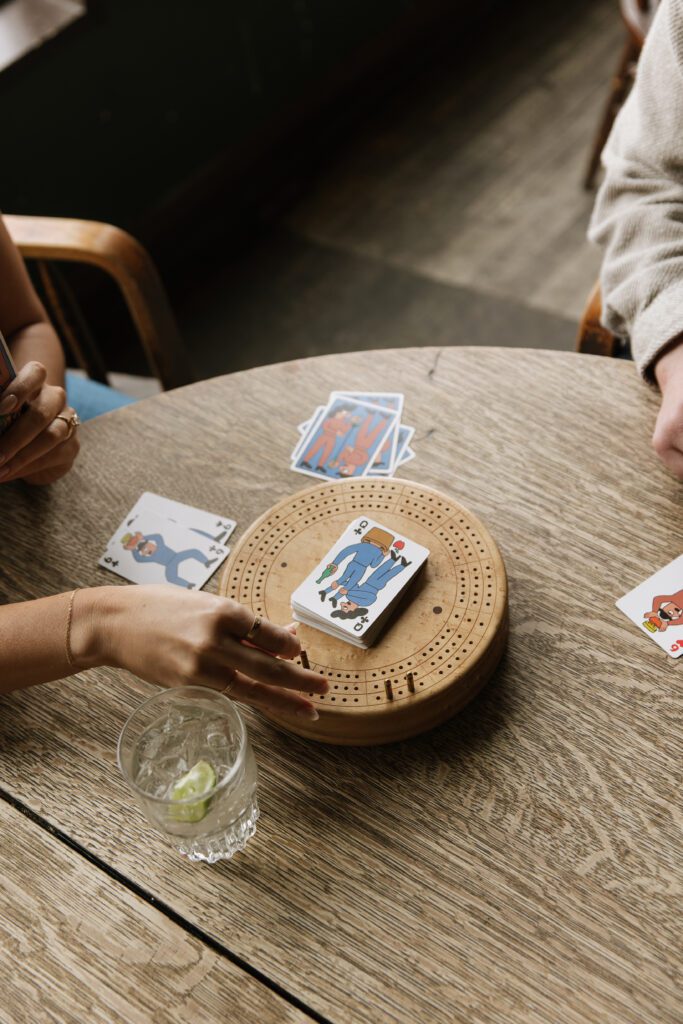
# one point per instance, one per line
(638, 215)
(39, 341)
(33, 638)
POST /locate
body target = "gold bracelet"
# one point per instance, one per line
(67, 638)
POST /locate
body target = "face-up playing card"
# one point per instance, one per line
(303, 429)
(147, 548)
(344, 440)
(385, 460)
(7, 374)
(383, 464)
(216, 528)
(357, 583)
(656, 607)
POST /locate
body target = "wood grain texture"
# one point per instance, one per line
(520, 864)
(449, 635)
(78, 946)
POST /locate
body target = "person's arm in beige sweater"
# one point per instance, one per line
(638, 220)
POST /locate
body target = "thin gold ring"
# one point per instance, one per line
(254, 629)
(71, 421)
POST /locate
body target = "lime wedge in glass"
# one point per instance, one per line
(200, 780)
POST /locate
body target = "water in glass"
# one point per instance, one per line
(187, 756)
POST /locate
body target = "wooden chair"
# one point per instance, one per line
(593, 338)
(52, 239)
(637, 16)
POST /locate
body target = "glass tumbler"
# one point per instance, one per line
(185, 754)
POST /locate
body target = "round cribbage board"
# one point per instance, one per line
(438, 650)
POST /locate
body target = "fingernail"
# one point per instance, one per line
(310, 713)
(8, 404)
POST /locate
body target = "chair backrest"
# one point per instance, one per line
(129, 264)
(593, 338)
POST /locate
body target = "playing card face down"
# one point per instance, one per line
(344, 439)
(358, 579)
(656, 607)
(147, 548)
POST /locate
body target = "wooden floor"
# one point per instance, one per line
(451, 212)
(476, 182)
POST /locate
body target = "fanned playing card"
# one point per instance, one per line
(357, 584)
(150, 548)
(344, 439)
(656, 607)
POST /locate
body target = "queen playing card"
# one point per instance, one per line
(656, 607)
(353, 589)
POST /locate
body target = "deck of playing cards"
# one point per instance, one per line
(164, 541)
(356, 586)
(656, 607)
(355, 434)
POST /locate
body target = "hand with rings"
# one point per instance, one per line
(176, 637)
(42, 444)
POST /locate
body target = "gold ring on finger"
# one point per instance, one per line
(71, 421)
(254, 629)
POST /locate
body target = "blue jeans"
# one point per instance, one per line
(91, 399)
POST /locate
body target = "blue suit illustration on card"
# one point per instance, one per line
(366, 554)
(361, 597)
(152, 548)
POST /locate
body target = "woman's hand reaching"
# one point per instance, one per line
(174, 637)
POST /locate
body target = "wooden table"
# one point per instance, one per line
(522, 863)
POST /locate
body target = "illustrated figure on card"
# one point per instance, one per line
(360, 598)
(667, 610)
(152, 548)
(331, 430)
(367, 554)
(356, 456)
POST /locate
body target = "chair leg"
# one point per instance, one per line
(621, 83)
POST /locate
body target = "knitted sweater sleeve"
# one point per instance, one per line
(638, 215)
